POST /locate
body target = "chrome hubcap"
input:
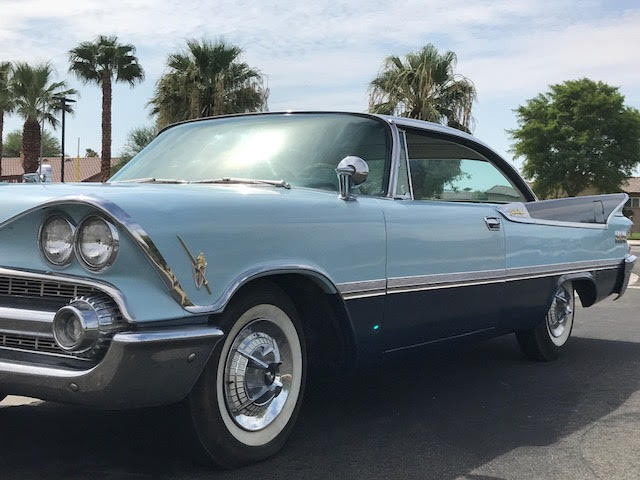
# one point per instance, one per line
(257, 375)
(560, 316)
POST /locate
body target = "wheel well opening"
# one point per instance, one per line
(586, 290)
(327, 328)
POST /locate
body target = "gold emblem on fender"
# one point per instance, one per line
(517, 212)
(199, 264)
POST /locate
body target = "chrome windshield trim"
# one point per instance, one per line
(105, 287)
(135, 231)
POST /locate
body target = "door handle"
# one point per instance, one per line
(493, 223)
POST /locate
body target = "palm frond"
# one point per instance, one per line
(423, 85)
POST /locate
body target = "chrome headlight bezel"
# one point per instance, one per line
(115, 244)
(69, 257)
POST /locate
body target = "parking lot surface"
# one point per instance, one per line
(469, 412)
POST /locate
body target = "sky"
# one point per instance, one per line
(321, 55)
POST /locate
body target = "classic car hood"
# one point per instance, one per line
(141, 201)
(213, 219)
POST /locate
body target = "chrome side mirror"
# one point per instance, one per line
(351, 171)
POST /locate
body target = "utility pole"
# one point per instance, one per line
(63, 107)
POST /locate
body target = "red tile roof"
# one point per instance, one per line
(85, 169)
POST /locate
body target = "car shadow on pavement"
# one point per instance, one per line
(431, 414)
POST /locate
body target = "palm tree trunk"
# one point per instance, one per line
(1, 137)
(105, 164)
(30, 145)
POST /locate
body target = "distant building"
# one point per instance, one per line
(85, 169)
(632, 208)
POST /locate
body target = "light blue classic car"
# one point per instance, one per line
(235, 256)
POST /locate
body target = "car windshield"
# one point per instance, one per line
(276, 149)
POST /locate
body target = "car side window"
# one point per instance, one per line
(447, 171)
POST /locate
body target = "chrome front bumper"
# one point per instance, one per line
(140, 369)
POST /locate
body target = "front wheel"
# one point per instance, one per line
(545, 341)
(246, 402)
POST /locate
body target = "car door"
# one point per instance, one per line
(445, 242)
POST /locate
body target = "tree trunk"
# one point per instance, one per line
(1, 137)
(105, 165)
(30, 145)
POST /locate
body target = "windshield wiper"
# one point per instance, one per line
(150, 180)
(246, 181)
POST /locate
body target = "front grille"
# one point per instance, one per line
(37, 294)
(30, 343)
(30, 288)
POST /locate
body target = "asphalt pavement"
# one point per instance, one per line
(464, 412)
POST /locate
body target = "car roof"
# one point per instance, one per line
(407, 122)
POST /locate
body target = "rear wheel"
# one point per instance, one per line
(546, 341)
(246, 402)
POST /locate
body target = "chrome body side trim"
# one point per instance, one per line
(137, 233)
(105, 287)
(371, 288)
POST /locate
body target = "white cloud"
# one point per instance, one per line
(601, 49)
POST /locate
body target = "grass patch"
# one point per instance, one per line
(634, 236)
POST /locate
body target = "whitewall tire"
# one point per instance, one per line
(546, 341)
(247, 400)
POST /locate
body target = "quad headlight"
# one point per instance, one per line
(96, 243)
(56, 240)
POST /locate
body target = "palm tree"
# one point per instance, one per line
(34, 97)
(207, 79)
(103, 62)
(6, 100)
(424, 86)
